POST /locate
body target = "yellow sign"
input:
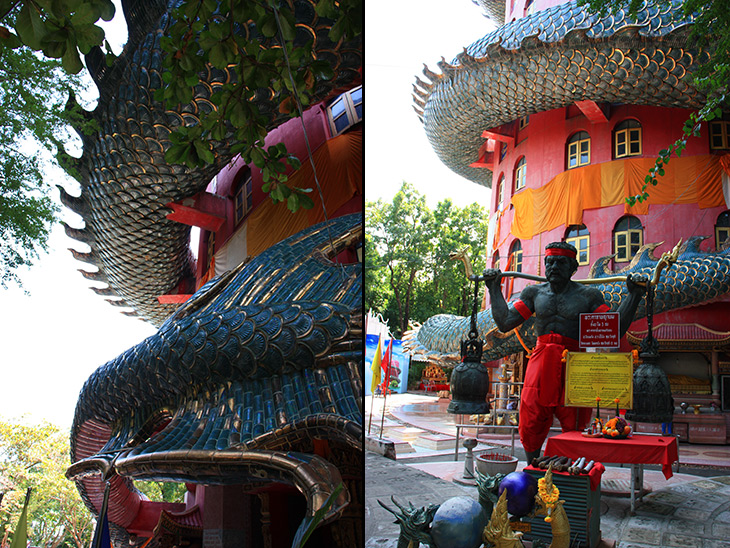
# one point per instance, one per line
(605, 375)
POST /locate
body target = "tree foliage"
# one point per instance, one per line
(33, 92)
(205, 33)
(408, 273)
(710, 30)
(256, 40)
(38, 37)
(162, 491)
(37, 456)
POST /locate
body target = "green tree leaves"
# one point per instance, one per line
(37, 456)
(408, 275)
(33, 119)
(256, 42)
(62, 29)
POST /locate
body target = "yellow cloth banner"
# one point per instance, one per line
(563, 200)
(339, 170)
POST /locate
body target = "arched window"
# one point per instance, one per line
(579, 150)
(515, 255)
(520, 174)
(345, 111)
(627, 139)
(495, 260)
(720, 134)
(243, 198)
(580, 238)
(500, 191)
(628, 237)
(722, 229)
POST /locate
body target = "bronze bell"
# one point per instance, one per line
(470, 380)
(653, 400)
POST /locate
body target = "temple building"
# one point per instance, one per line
(563, 113)
(250, 393)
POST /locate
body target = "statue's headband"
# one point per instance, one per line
(560, 251)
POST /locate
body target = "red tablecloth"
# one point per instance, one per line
(638, 449)
(433, 387)
(594, 476)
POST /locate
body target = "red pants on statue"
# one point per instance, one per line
(543, 393)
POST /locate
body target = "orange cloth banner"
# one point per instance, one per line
(563, 200)
(339, 170)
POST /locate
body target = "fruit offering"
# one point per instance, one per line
(616, 427)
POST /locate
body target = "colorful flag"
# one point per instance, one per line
(376, 367)
(386, 364)
(20, 538)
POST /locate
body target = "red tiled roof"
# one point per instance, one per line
(690, 332)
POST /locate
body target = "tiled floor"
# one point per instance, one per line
(407, 415)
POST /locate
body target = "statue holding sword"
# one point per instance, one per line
(557, 304)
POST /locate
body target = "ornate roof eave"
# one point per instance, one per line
(550, 60)
(683, 337)
(125, 180)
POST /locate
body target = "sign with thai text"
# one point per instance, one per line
(608, 376)
(599, 330)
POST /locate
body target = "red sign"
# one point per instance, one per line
(599, 330)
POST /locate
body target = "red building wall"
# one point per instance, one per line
(543, 143)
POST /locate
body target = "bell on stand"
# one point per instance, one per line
(470, 379)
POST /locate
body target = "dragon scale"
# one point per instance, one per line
(697, 277)
(126, 184)
(551, 59)
(236, 376)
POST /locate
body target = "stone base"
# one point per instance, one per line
(381, 446)
(436, 442)
(403, 447)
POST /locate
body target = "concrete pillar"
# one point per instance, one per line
(227, 518)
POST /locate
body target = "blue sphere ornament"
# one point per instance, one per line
(521, 490)
(459, 523)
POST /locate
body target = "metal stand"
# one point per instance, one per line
(470, 444)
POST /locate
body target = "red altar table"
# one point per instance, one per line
(637, 450)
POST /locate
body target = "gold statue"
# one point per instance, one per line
(498, 531)
(548, 503)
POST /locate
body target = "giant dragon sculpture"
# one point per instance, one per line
(126, 184)
(696, 277)
(257, 373)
